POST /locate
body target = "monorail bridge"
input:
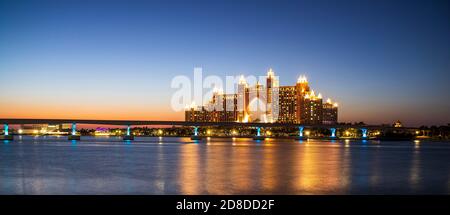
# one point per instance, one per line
(195, 125)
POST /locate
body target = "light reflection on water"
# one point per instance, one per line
(100, 165)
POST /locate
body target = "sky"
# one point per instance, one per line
(382, 61)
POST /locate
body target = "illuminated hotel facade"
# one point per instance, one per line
(266, 103)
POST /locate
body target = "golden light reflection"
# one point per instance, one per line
(216, 176)
(414, 177)
(241, 171)
(190, 169)
(416, 144)
(269, 168)
(347, 143)
(307, 169)
(272, 167)
(319, 174)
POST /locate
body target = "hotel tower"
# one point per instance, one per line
(267, 103)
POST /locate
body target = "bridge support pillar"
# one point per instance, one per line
(6, 135)
(364, 133)
(333, 133)
(73, 135)
(300, 134)
(196, 136)
(258, 134)
(128, 135)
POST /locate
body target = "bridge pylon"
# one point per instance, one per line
(73, 135)
(333, 133)
(300, 134)
(196, 136)
(6, 135)
(364, 133)
(258, 134)
(128, 135)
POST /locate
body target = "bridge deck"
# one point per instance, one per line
(180, 123)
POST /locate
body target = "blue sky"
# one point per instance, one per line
(381, 60)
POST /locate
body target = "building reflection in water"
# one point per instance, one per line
(270, 169)
(376, 172)
(160, 185)
(242, 178)
(320, 170)
(100, 166)
(415, 169)
(246, 167)
(189, 168)
(217, 173)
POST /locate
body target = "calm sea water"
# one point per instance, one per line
(102, 165)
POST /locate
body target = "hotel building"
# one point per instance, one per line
(266, 103)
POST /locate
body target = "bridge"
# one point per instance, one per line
(128, 123)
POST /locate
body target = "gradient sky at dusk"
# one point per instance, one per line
(381, 60)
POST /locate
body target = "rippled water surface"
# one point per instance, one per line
(108, 165)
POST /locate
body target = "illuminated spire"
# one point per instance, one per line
(319, 96)
(328, 101)
(302, 79)
(270, 73)
(242, 80)
(307, 96)
(313, 94)
(335, 104)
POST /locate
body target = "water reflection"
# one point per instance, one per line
(241, 172)
(320, 171)
(51, 165)
(415, 169)
(189, 168)
(270, 167)
(216, 169)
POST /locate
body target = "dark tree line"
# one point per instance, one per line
(436, 131)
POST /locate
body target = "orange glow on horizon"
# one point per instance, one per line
(89, 112)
